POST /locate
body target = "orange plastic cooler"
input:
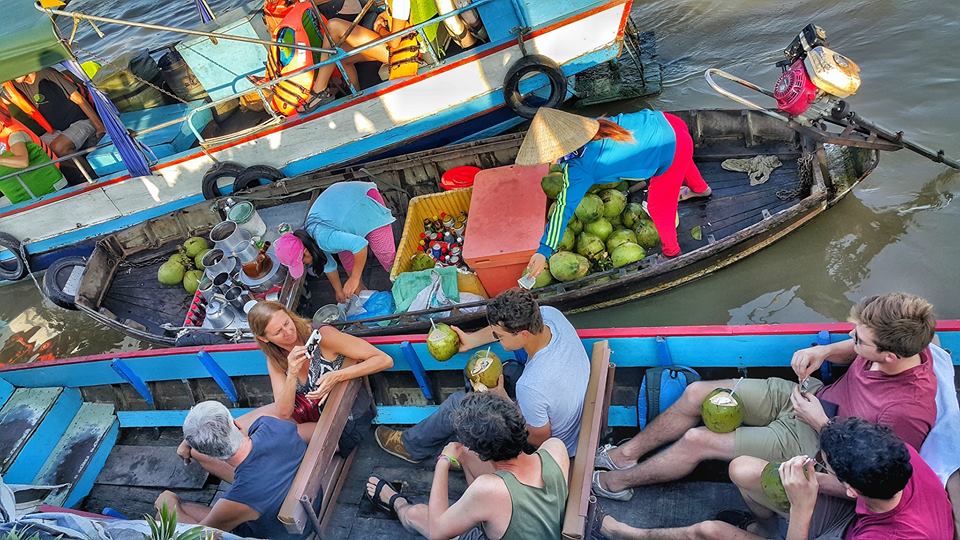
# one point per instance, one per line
(505, 224)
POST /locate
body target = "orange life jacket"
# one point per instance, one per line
(301, 26)
(10, 125)
(25, 105)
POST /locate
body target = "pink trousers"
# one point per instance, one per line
(663, 195)
(380, 242)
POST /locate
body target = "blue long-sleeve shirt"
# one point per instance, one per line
(606, 161)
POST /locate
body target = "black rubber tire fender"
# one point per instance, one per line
(532, 64)
(256, 175)
(56, 277)
(224, 169)
(16, 269)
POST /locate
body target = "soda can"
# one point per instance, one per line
(436, 251)
(455, 250)
(448, 222)
(453, 260)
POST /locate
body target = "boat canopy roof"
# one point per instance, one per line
(29, 40)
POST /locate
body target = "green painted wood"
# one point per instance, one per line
(76, 449)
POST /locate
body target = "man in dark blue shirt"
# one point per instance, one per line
(260, 465)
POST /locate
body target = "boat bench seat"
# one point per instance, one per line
(580, 502)
(164, 142)
(313, 494)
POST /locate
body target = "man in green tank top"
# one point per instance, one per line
(510, 495)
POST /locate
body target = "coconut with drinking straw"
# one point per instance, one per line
(483, 370)
(722, 411)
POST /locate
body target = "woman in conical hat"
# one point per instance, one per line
(644, 144)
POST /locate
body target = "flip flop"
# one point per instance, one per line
(686, 193)
(389, 506)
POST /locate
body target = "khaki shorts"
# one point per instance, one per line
(78, 132)
(769, 430)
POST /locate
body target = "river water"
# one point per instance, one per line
(898, 230)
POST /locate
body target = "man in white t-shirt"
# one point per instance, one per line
(550, 391)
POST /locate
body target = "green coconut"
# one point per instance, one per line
(647, 235)
(589, 209)
(722, 411)
(616, 221)
(556, 168)
(597, 188)
(600, 228)
(171, 273)
(772, 486)
(443, 342)
(567, 266)
(575, 225)
(632, 214)
(590, 246)
(545, 278)
(484, 369)
(623, 186)
(552, 184)
(614, 202)
(191, 280)
(626, 253)
(568, 241)
(620, 236)
(422, 261)
(194, 245)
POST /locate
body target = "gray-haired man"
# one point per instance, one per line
(260, 467)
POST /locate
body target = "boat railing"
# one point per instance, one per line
(432, 57)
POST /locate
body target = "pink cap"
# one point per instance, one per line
(289, 250)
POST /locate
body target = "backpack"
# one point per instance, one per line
(661, 387)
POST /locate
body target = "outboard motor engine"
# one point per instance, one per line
(815, 78)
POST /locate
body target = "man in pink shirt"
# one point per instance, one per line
(890, 381)
(897, 496)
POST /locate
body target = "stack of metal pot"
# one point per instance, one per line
(235, 269)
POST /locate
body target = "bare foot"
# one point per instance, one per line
(687, 193)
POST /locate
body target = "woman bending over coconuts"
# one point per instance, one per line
(630, 146)
(301, 381)
(350, 219)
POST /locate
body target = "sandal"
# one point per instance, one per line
(315, 101)
(390, 506)
(686, 193)
(737, 518)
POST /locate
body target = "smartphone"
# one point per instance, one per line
(829, 407)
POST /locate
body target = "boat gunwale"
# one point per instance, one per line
(480, 52)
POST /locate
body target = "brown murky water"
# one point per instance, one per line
(897, 231)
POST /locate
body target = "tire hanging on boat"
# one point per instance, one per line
(256, 175)
(57, 277)
(224, 169)
(531, 65)
(15, 269)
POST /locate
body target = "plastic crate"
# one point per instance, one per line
(422, 207)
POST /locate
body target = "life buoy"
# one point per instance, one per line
(533, 64)
(224, 169)
(460, 27)
(256, 175)
(61, 280)
(13, 269)
(300, 26)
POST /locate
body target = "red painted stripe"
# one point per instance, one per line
(947, 325)
(356, 101)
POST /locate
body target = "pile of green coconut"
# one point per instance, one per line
(185, 267)
(605, 232)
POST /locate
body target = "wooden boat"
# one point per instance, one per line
(119, 286)
(458, 95)
(106, 416)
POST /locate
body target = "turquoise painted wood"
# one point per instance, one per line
(83, 447)
(6, 390)
(142, 419)
(33, 421)
(407, 415)
(222, 67)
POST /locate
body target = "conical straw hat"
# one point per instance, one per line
(554, 134)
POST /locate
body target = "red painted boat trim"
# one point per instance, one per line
(948, 325)
(356, 101)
